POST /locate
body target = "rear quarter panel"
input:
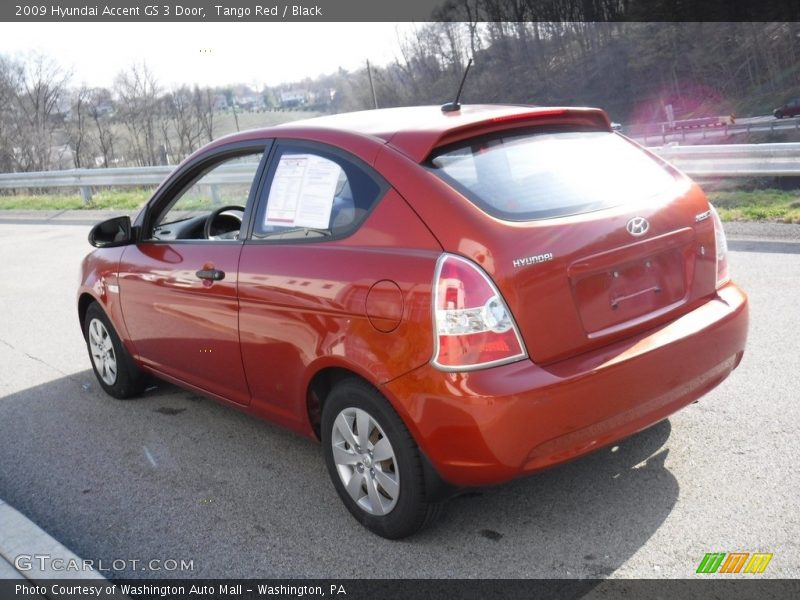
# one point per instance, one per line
(303, 308)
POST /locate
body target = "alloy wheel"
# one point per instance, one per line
(365, 461)
(102, 349)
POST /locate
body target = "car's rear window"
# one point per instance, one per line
(526, 176)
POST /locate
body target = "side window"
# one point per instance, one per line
(313, 194)
(212, 205)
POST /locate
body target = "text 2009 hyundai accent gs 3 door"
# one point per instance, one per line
(444, 299)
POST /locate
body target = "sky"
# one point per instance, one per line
(212, 54)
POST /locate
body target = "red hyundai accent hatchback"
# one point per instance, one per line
(444, 299)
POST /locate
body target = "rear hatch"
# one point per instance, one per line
(591, 238)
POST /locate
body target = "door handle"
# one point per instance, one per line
(211, 274)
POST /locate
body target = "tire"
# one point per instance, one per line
(113, 366)
(386, 496)
(778, 114)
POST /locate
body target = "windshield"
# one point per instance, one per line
(526, 176)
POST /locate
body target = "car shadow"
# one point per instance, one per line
(582, 519)
(174, 475)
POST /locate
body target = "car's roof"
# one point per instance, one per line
(416, 130)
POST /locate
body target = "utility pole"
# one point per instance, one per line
(235, 116)
(372, 85)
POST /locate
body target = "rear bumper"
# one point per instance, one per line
(489, 426)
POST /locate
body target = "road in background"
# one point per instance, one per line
(651, 134)
(176, 476)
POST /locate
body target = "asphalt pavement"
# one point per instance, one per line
(176, 485)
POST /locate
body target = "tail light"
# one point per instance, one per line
(473, 328)
(723, 276)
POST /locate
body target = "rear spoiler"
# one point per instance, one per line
(594, 119)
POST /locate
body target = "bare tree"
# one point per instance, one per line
(77, 127)
(101, 109)
(7, 102)
(39, 86)
(186, 122)
(138, 98)
(204, 101)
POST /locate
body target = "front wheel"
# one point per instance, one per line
(115, 370)
(373, 461)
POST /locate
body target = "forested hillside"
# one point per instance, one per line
(631, 69)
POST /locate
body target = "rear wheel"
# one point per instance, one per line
(113, 366)
(373, 461)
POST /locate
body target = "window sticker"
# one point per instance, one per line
(302, 191)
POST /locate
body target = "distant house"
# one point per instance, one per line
(104, 108)
(293, 98)
(250, 102)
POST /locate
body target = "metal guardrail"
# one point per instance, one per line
(734, 160)
(86, 179)
(731, 160)
(744, 125)
(658, 132)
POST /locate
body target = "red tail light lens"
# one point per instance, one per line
(723, 275)
(473, 328)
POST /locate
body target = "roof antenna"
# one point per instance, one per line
(454, 105)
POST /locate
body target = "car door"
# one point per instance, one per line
(178, 284)
(303, 275)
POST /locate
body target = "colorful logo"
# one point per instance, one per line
(734, 562)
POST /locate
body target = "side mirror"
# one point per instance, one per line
(114, 232)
